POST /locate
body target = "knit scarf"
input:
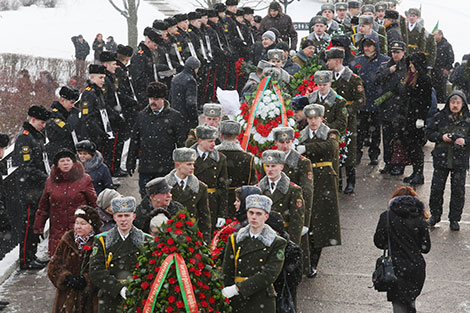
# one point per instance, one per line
(82, 240)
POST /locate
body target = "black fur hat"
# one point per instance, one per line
(96, 69)
(69, 93)
(107, 56)
(152, 34)
(4, 139)
(125, 50)
(64, 153)
(157, 90)
(87, 146)
(39, 112)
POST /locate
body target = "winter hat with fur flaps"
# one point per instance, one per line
(283, 133)
(314, 110)
(39, 112)
(153, 35)
(206, 132)
(106, 196)
(90, 215)
(87, 146)
(157, 90)
(212, 109)
(273, 157)
(123, 204)
(96, 69)
(259, 202)
(107, 56)
(192, 63)
(125, 50)
(4, 139)
(184, 155)
(69, 93)
(230, 127)
(64, 153)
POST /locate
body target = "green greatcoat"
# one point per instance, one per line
(192, 139)
(430, 50)
(241, 170)
(323, 152)
(111, 279)
(287, 200)
(336, 114)
(349, 86)
(194, 199)
(416, 40)
(213, 172)
(253, 265)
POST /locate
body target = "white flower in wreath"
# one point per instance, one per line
(266, 99)
(257, 137)
(291, 122)
(274, 97)
(272, 114)
(268, 92)
(270, 136)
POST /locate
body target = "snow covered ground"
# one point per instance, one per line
(46, 32)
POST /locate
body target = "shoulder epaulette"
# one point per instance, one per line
(101, 235)
(293, 184)
(189, 30)
(88, 88)
(202, 183)
(302, 157)
(140, 51)
(26, 132)
(55, 110)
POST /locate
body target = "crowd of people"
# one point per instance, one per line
(381, 79)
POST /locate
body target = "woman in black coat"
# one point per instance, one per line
(409, 239)
(418, 99)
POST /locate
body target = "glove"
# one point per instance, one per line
(77, 282)
(304, 230)
(130, 169)
(419, 123)
(292, 53)
(41, 236)
(220, 222)
(230, 291)
(301, 149)
(123, 292)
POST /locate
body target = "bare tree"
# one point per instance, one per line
(129, 11)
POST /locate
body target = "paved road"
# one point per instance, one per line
(342, 285)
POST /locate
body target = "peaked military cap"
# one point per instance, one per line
(231, 2)
(171, 21)
(328, 6)
(123, 204)
(414, 11)
(206, 132)
(398, 46)
(275, 54)
(318, 20)
(368, 8)
(354, 4)
(212, 109)
(180, 17)
(335, 53)
(323, 77)
(194, 16)
(152, 34)
(314, 110)
(366, 19)
(125, 50)
(392, 14)
(96, 69)
(107, 56)
(157, 185)
(283, 133)
(341, 7)
(39, 112)
(273, 157)
(184, 155)
(259, 202)
(248, 10)
(229, 127)
(381, 6)
(69, 93)
(4, 139)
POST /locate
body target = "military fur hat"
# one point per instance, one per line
(307, 43)
(341, 7)
(368, 8)
(212, 109)
(87, 146)
(240, 12)
(220, 7)
(354, 4)
(194, 16)
(4, 139)
(125, 50)
(323, 77)
(248, 10)
(283, 133)
(96, 69)
(259, 202)
(231, 2)
(392, 14)
(277, 74)
(107, 56)
(157, 90)
(263, 64)
(366, 19)
(123, 204)
(284, 46)
(414, 11)
(381, 6)
(184, 155)
(90, 215)
(153, 35)
(273, 157)
(105, 197)
(202, 11)
(39, 112)
(275, 54)
(206, 132)
(318, 20)
(314, 110)
(341, 41)
(157, 185)
(397, 46)
(180, 17)
(69, 93)
(171, 21)
(334, 53)
(257, 19)
(212, 13)
(229, 127)
(160, 25)
(327, 6)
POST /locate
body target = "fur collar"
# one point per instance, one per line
(292, 159)
(347, 74)
(136, 235)
(326, 37)
(74, 174)
(282, 185)
(193, 182)
(330, 99)
(322, 133)
(229, 146)
(214, 154)
(93, 163)
(267, 235)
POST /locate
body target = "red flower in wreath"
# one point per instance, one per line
(144, 285)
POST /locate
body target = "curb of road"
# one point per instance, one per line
(9, 264)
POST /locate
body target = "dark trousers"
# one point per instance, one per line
(28, 239)
(112, 150)
(439, 83)
(388, 134)
(457, 196)
(144, 178)
(369, 127)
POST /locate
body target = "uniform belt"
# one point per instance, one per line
(286, 224)
(211, 190)
(349, 102)
(123, 281)
(413, 46)
(232, 188)
(322, 164)
(239, 279)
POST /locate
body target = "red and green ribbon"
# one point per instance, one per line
(216, 238)
(184, 281)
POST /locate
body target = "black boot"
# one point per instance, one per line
(387, 169)
(418, 178)
(351, 181)
(409, 178)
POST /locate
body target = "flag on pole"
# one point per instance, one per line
(435, 27)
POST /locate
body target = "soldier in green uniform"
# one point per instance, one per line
(430, 49)
(211, 168)
(299, 170)
(318, 34)
(212, 114)
(287, 196)
(336, 114)
(253, 260)
(416, 36)
(349, 86)
(241, 169)
(319, 143)
(188, 190)
(369, 9)
(366, 27)
(115, 254)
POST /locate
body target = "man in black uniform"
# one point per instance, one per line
(63, 122)
(219, 51)
(33, 169)
(175, 47)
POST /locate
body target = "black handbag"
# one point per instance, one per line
(384, 277)
(284, 301)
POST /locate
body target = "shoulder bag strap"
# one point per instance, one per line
(388, 233)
